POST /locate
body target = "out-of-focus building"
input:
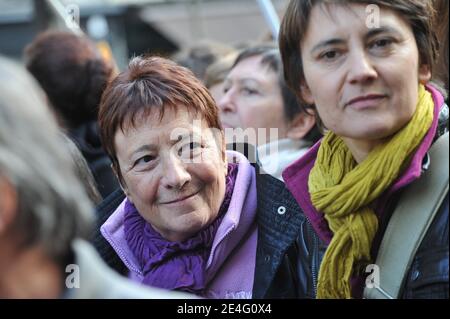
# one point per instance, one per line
(134, 27)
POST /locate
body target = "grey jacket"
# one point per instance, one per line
(90, 278)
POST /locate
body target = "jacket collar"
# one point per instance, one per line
(276, 155)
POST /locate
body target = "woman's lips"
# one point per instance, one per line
(366, 101)
(179, 200)
(225, 125)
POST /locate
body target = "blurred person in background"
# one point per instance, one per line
(73, 74)
(201, 55)
(44, 211)
(255, 96)
(217, 72)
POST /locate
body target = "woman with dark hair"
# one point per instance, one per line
(186, 219)
(73, 74)
(366, 70)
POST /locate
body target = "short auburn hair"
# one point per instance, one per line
(151, 84)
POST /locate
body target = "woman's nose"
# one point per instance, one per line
(175, 175)
(226, 103)
(360, 68)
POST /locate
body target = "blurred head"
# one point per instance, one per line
(256, 96)
(171, 168)
(72, 73)
(42, 203)
(201, 55)
(361, 77)
(216, 73)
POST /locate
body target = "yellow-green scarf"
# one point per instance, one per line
(343, 190)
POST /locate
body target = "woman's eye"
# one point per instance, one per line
(194, 145)
(329, 55)
(381, 43)
(189, 150)
(248, 91)
(145, 159)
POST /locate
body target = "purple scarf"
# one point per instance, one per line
(174, 265)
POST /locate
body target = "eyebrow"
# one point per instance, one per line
(132, 158)
(144, 148)
(182, 137)
(247, 79)
(375, 31)
(372, 32)
(326, 43)
(241, 80)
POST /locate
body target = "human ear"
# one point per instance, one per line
(300, 125)
(122, 183)
(306, 94)
(424, 74)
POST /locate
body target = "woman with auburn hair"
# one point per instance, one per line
(370, 85)
(186, 219)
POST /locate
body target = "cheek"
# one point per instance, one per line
(246, 115)
(329, 118)
(142, 189)
(212, 175)
(211, 170)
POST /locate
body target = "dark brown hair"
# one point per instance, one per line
(72, 73)
(419, 14)
(150, 84)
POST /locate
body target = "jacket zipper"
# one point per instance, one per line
(315, 257)
(122, 257)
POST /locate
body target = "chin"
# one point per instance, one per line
(193, 224)
(372, 132)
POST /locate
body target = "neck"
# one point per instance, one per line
(360, 149)
(29, 274)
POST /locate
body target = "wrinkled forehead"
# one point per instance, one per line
(156, 116)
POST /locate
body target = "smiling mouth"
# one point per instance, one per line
(180, 199)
